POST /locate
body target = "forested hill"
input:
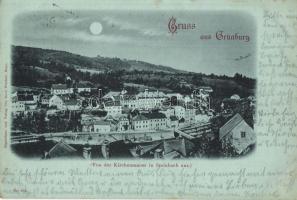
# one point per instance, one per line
(34, 67)
(35, 56)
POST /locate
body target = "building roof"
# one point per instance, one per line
(155, 115)
(28, 92)
(230, 125)
(25, 98)
(128, 97)
(111, 94)
(177, 145)
(147, 116)
(59, 86)
(123, 118)
(140, 117)
(61, 149)
(151, 94)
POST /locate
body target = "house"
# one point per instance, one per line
(141, 123)
(17, 106)
(61, 89)
(173, 122)
(87, 122)
(89, 118)
(84, 87)
(88, 126)
(72, 104)
(236, 133)
(123, 123)
(28, 92)
(129, 101)
(179, 112)
(150, 94)
(64, 102)
(27, 100)
(190, 113)
(149, 121)
(150, 99)
(44, 100)
(113, 108)
(158, 120)
(101, 127)
(57, 101)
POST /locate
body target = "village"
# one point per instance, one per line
(151, 120)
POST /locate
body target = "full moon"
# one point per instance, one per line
(96, 28)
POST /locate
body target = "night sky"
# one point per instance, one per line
(144, 35)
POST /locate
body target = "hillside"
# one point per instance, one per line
(35, 56)
(34, 67)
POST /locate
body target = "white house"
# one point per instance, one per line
(113, 108)
(190, 115)
(173, 122)
(129, 101)
(57, 101)
(237, 133)
(45, 99)
(123, 124)
(89, 118)
(150, 99)
(83, 87)
(61, 89)
(17, 106)
(72, 104)
(149, 121)
(179, 112)
(24, 100)
(150, 94)
(102, 127)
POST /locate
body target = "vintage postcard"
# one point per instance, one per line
(152, 99)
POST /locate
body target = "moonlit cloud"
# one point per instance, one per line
(124, 25)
